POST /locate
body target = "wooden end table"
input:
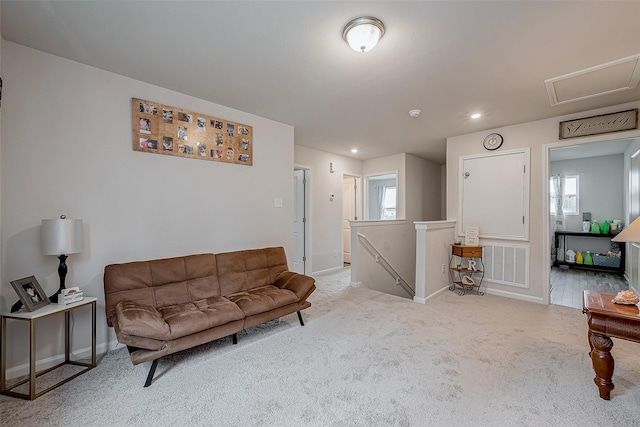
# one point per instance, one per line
(607, 320)
(32, 317)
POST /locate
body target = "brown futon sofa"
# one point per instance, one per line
(163, 306)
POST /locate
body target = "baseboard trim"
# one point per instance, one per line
(328, 270)
(48, 362)
(355, 284)
(513, 295)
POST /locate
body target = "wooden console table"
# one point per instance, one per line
(607, 320)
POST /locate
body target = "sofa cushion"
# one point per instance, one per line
(244, 270)
(141, 320)
(299, 284)
(160, 282)
(189, 318)
(262, 299)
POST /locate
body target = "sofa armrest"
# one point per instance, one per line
(297, 283)
(141, 321)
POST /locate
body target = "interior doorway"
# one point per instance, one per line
(590, 178)
(300, 220)
(350, 212)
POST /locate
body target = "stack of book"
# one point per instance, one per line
(69, 296)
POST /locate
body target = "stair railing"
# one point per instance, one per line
(385, 264)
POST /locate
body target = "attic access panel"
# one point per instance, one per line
(494, 194)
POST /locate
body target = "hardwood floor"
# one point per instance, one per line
(567, 285)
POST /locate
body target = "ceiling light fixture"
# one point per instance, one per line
(354, 150)
(363, 33)
(414, 113)
(476, 116)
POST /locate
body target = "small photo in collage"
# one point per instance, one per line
(202, 123)
(216, 154)
(180, 148)
(184, 117)
(219, 140)
(148, 109)
(167, 143)
(148, 143)
(243, 130)
(243, 157)
(182, 133)
(230, 129)
(188, 149)
(167, 116)
(145, 125)
(245, 144)
(230, 153)
(216, 124)
(202, 149)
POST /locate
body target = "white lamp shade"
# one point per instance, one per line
(630, 233)
(61, 236)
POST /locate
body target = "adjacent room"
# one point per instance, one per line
(319, 213)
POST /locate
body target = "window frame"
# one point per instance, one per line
(576, 195)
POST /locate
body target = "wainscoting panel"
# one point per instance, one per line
(506, 264)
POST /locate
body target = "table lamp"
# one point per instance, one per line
(61, 237)
(630, 233)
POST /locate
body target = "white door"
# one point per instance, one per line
(348, 214)
(299, 220)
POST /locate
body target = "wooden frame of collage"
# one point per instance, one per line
(162, 129)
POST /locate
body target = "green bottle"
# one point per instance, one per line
(605, 227)
(595, 228)
(588, 259)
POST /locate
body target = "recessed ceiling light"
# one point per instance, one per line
(354, 150)
(476, 116)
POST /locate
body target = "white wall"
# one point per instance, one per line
(391, 240)
(536, 135)
(67, 149)
(422, 182)
(325, 215)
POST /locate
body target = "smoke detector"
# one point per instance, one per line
(414, 113)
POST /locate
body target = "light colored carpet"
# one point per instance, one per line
(363, 359)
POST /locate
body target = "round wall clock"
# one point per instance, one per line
(493, 141)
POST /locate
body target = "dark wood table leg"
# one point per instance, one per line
(602, 363)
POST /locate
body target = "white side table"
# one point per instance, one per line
(33, 317)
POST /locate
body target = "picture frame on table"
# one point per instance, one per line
(30, 293)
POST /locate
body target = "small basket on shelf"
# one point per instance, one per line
(606, 261)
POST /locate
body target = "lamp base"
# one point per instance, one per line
(62, 272)
(54, 298)
(17, 306)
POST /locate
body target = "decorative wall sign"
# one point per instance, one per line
(163, 129)
(605, 123)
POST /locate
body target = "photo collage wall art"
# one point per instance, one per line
(163, 129)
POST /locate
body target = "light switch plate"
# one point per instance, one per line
(277, 202)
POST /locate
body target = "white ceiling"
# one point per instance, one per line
(287, 61)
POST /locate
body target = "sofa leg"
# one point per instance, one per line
(152, 371)
(300, 319)
(235, 338)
